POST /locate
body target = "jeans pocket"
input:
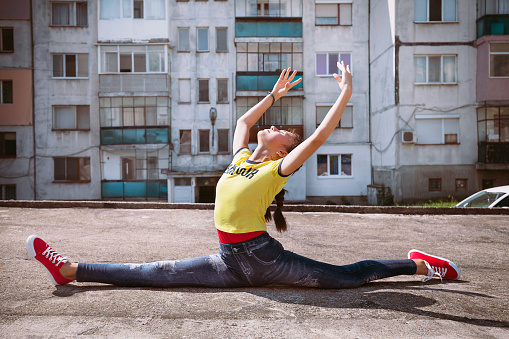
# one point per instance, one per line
(268, 254)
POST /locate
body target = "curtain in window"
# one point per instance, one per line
(84, 168)
(183, 39)
(83, 117)
(333, 165)
(449, 72)
(110, 9)
(420, 10)
(222, 43)
(434, 68)
(155, 58)
(326, 14)
(449, 12)
(81, 14)
(83, 65)
(420, 69)
(346, 164)
(60, 14)
(203, 39)
(155, 9)
(321, 64)
(333, 60)
(64, 117)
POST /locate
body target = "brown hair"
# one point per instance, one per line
(279, 219)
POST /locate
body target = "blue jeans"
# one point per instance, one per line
(256, 262)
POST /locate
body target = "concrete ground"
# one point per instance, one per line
(475, 306)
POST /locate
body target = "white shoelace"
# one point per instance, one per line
(53, 256)
(434, 272)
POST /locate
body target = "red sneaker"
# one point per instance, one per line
(51, 260)
(438, 267)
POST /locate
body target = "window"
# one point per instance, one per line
(435, 10)
(493, 124)
(222, 90)
(71, 118)
(69, 14)
(203, 90)
(223, 140)
(490, 7)
(268, 56)
(286, 111)
(7, 144)
(346, 119)
(6, 39)
(183, 36)
(221, 39)
(71, 169)
(326, 63)
(333, 14)
(133, 59)
(185, 141)
(499, 60)
(204, 140)
(339, 165)
(461, 184)
(138, 9)
(184, 90)
(133, 111)
(70, 65)
(203, 39)
(435, 184)
(8, 192)
(435, 69)
(6, 92)
(437, 129)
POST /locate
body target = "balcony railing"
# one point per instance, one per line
(134, 189)
(493, 25)
(119, 136)
(494, 152)
(260, 82)
(273, 28)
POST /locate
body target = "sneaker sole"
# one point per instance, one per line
(444, 259)
(31, 252)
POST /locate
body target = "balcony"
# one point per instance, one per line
(493, 25)
(134, 190)
(121, 136)
(246, 82)
(268, 27)
(493, 155)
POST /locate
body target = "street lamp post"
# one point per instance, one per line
(212, 116)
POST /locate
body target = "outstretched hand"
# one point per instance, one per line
(284, 83)
(346, 80)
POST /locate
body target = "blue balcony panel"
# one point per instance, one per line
(493, 25)
(268, 29)
(119, 136)
(259, 82)
(134, 189)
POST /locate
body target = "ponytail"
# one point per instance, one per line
(279, 219)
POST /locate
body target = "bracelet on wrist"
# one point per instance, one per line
(273, 98)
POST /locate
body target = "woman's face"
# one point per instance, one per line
(273, 138)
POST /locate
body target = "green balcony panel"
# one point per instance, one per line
(493, 25)
(111, 136)
(135, 189)
(268, 29)
(157, 135)
(112, 189)
(259, 82)
(133, 136)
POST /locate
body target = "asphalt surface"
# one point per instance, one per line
(477, 306)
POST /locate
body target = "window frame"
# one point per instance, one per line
(3, 154)
(162, 64)
(441, 82)
(217, 39)
(2, 29)
(490, 53)
(338, 5)
(2, 92)
(207, 141)
(338, 126)
(437, 180)
(245, 50)
(227, 144)
(329, 73)
(219, 101)
(64, 66)
(442, 124)
(73, 13)
(123, 104)
(79, 169)
(335, 176)
(3, 188)
(427, 21)
(181, 132)
(199, 91)
(76, 118)
(188, 40)
(198, 50)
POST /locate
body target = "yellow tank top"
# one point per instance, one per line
(244, 192)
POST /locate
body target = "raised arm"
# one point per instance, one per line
(245, 122)
(301, 153)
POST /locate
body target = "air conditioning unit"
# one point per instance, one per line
(408, 137)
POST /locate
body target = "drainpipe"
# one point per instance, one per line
(33, 98)
(369, 95)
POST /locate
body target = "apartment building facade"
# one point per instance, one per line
(138, 99)
(16, 105)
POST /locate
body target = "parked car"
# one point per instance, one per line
(491, 197)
